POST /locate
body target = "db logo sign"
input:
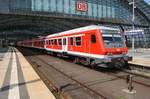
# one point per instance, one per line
(82, 6)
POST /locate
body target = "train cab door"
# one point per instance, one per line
(92, 47)
(65, 44)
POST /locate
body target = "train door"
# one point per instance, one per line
(65, 44)
(92, 43)
(88, 43)
(85, 43)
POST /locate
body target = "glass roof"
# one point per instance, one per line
(143, 6)
(148, 1)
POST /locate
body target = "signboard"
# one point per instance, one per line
(81, 6)
(134, 32)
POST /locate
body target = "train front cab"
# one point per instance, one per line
(93, 46)
(115, 50)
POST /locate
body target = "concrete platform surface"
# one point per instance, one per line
(18, 80)
(140, 57)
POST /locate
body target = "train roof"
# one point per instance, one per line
(82, 29)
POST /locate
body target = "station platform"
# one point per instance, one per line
(18, 80)
(140, 57)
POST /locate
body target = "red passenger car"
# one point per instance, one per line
(36, 43)
(90, 45)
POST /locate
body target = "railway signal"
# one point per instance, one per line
(129, 81)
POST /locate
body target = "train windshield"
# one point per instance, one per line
(112, 39)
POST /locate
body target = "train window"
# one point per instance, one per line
(43, 42)
(64, 41)
(71, 40)
(60, 41)
(55, 42)
(46, 42)
(93, 38)
(40, 43)
(52, 42)
(49, 42)
(78, 41)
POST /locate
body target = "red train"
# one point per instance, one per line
(90, 45)
(36, 43)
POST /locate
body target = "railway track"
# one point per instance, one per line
(124, 77)
(48, 83)
(74, 80)
(39, 61)
(124, 74)
(94, 94)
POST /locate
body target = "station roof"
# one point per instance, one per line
(143, 7)
(27, 26)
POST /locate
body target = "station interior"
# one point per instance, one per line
(29, 72)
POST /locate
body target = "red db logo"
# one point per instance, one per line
(82, 6)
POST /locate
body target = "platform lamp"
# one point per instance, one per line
(133, 28)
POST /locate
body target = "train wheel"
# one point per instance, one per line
(76, 60)
(60, 55)
(87, 62)
(121, 64)
(93, 65)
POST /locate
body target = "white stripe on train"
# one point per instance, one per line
(84, 54)
(78, 53)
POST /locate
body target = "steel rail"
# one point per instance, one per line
(48, 82)
(78, 82)
(81, 84)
